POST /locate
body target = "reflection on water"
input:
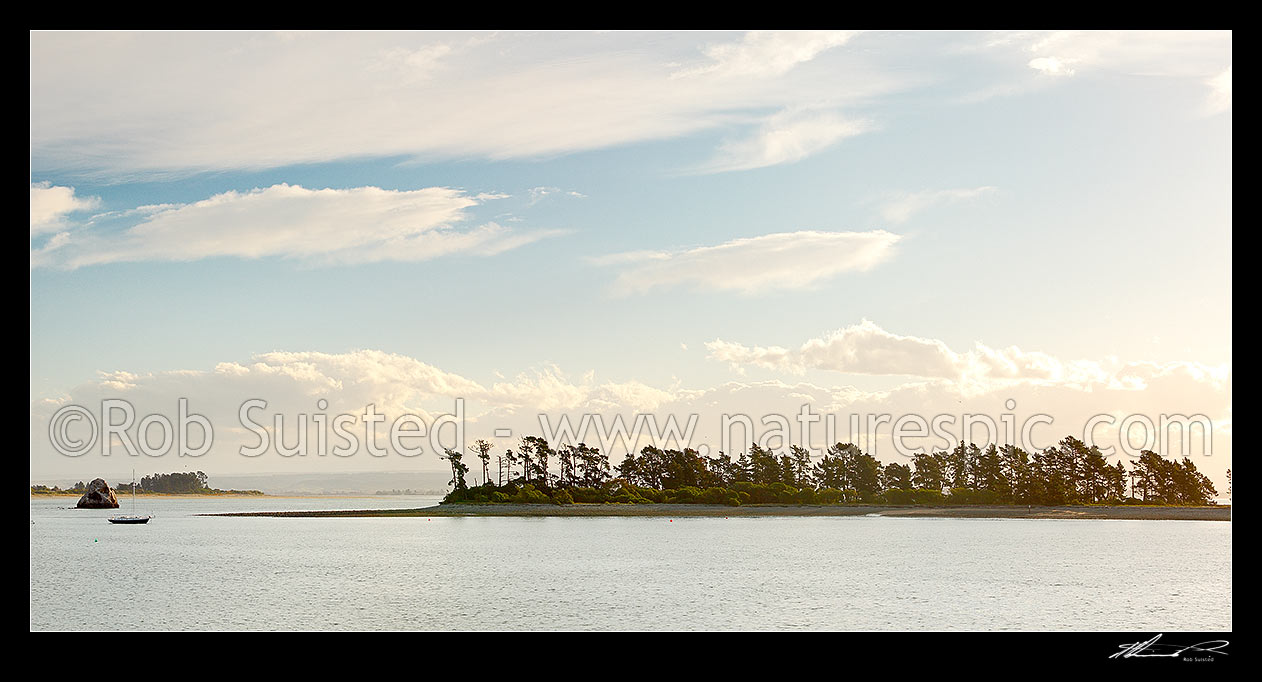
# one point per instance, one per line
(845, 573)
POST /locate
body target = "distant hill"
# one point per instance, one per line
(353, 483)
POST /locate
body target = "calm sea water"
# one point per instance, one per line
(184, 572)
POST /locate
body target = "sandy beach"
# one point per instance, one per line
(1218, 513)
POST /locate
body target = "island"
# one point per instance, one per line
(674, 511)
(179, 483)
(1069, 480)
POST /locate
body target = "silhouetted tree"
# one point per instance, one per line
(1070, 472)
(896, 477)
(483, 449)
(930, 471)
(458, 470)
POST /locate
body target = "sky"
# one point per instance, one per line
(615, 224)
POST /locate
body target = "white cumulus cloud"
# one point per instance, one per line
(50, 205)
(294, 383)
(868, 349)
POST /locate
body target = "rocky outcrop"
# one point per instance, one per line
(99, 496)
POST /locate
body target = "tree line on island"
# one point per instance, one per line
(178, 483)
(1069, 473)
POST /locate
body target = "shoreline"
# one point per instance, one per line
(280, 496)
(1137, 512)
(181, 495)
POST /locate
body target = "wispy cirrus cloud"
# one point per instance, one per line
(189, 102)
(1053, 66)
(765, 53)
(786, 260)
(1220, 92)
(900, 208)
(1172, 54)
(538, 194)
(1161, 53)
(318, 226)
(1061, 56)
(786, 137)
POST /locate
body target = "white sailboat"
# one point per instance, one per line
(133, 518)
